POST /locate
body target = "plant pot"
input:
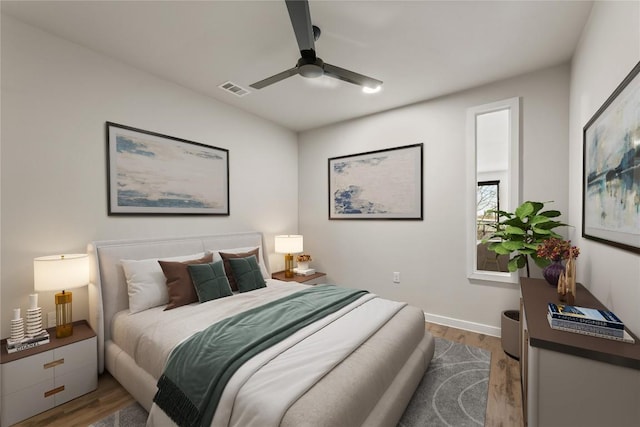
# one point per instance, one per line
(510, 333)
(303, 265)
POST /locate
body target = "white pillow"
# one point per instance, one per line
(146, 283)
(263, 269)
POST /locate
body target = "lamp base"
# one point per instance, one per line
(63, 331)
(64, 321)
(288, 266)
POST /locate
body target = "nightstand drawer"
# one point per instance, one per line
(26, 402)
(81, 380)
(317, 278)
(316, 281)
(24, 373)
(70, 357)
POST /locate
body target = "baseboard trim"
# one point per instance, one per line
(462, 324)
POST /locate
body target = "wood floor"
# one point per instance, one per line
(504, 404)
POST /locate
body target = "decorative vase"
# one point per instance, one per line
(553, 271)
(567, 283)
(303, 265)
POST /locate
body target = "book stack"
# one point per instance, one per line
(587, 321)
(304, 271)
(24, 343)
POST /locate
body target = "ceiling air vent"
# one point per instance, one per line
(234, 89)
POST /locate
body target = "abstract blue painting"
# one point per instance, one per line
(150, 173)
(611, 186)
(382, 184)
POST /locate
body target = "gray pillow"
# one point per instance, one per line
(210, 281)
(247, 273)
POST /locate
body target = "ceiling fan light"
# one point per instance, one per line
(375, 89)
(310, 70)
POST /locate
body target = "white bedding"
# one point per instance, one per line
(263, 389)
(150, 335)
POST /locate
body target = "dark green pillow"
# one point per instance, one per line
(247, 273)
(210, 281)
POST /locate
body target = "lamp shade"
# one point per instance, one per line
(288, 244)
(57, 272)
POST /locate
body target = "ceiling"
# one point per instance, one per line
(420, 49)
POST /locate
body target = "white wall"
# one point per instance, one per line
(56, 97)
(608, 51)
(430, 254)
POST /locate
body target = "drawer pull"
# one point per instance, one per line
(53, 364)
(53, 391)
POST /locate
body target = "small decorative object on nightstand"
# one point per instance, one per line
(303, 265)
(34, 317)
(34, 335)
(39, 378)
(17, 325)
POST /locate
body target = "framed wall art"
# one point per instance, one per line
(611, 169)
(383, 184)
(151, 173)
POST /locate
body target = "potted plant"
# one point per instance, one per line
(303, 261)
(522, 232)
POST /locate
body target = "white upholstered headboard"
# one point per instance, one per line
(108, 287)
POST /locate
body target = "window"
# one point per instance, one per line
(493, 139)
(487, 202)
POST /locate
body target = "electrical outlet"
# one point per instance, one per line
(51, 319)
(396, 277)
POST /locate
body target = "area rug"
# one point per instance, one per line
(133, 415)
(453, 392)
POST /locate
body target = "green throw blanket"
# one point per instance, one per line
(200, 367)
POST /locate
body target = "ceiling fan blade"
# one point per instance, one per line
(301, 22)
(275, 78)
(350, 76)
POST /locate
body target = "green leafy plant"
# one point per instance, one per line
(522, 232)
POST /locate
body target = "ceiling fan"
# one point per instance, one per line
(309, 65)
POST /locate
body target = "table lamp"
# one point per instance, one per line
(288, 244)
(56, 272)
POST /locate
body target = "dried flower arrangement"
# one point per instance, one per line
(555, 249)
(303, 258)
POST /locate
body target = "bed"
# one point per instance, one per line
(370, 384)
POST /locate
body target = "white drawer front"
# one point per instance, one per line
(75, 355)
(26, 402)
(81, 381)
(23, 373)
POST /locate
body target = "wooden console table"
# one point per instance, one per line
(572, 379)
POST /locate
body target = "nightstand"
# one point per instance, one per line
(37, 379)
(312, 279)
